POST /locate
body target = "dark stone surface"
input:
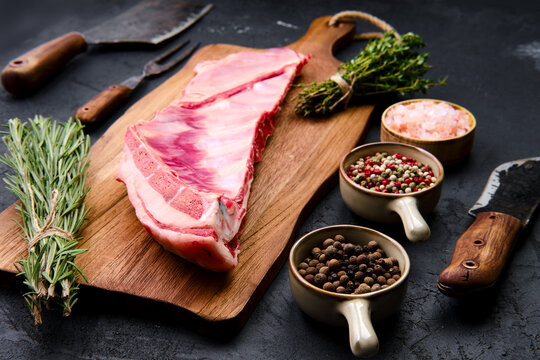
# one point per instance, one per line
(489, 49)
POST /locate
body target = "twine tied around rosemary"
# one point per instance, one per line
(346, 88)
(41, 232)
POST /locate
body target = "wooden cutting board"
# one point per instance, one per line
(300, 157)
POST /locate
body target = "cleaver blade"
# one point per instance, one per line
(505, 207)
(148, 22)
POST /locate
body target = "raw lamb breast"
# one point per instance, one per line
(188, 171)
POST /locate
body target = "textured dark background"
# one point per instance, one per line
(490, 51)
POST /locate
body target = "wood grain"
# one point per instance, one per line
(103, 104)
(480, 254)
(29, 72)
(299, 158)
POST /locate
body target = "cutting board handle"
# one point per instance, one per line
(27, 73)
(322, 40)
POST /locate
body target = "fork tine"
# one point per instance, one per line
(154, 68)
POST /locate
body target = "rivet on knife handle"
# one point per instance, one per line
(26, 74)
(103, 104)
(480, 254)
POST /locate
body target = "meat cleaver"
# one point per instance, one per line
(148, 22)
(508, 201)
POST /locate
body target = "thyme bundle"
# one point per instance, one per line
(49, 162)
(387, 65)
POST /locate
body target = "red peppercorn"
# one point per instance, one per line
(407, 181)
(385, 182)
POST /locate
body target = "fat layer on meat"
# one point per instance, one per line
(188, 172)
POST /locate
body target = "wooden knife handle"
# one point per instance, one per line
(105, 103)
(480, 254)
(28, 73)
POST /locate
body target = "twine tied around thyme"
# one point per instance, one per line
(346, 88)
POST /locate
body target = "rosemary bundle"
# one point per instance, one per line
(49, 162)
(386, 65)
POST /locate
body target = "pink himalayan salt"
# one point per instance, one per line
(428, 120)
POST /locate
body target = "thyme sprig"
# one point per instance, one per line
(386, 65)
(49, 162)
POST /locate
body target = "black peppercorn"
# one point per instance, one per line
(372, 246)
(362, 267)
(333, 264)
(349, 249)
(328, 242)
(362, 259)
(339, 238)
(369, 280)
(330, 252)
(328, 286)
(362, 289)
(347, 268)
(320, 279)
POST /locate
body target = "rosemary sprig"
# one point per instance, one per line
(387, 65)
(49, 162)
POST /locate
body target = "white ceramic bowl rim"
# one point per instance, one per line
(377, 193)
(370, 295)
(407, 137)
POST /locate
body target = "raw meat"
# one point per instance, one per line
(188, 172)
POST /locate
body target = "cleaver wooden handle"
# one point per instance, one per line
(27, 73)
(480, 254)
(104, 104)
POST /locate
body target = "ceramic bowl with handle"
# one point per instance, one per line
(356, 310)
(449, 151)
(393, 208)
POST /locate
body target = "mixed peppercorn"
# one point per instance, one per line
(396, 174)
(348, 268)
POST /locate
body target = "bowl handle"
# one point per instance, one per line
(416, 227)
(362, 337)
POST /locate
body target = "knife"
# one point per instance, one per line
(505, 207)
(148, 22)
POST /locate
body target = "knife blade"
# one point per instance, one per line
(149, 22)
(505, 207)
